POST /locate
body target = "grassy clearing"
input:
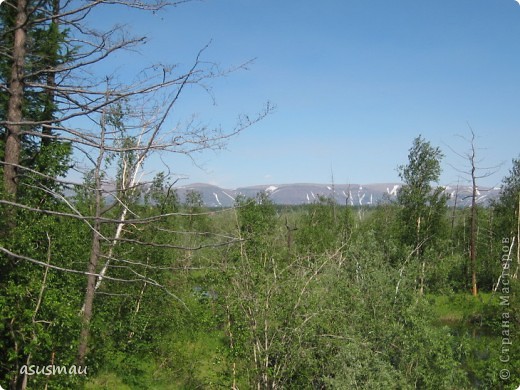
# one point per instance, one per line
(194, 361)
(460, 307)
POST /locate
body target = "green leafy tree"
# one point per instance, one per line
(507, 210)
(422, 206)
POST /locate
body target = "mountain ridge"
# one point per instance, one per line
(352, 194)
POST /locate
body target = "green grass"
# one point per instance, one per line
(455, 308)
(106, 381)
(196, 362)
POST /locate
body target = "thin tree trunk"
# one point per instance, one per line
(473, 231)
(129, 181)
(15, 103)
(89, 294)
(423, 269)
(95, 250)
(419, 256)
(454, 211)
(232, 348)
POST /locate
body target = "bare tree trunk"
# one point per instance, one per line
(473, 174)
(473, 227)
(89, 294)
(232, 348)
(423, 270)
(290, 231)
(94, 255)
(419, 256)
(15, 103)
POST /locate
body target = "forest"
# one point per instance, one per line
(115, 282)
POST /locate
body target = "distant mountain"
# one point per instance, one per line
(297, 194)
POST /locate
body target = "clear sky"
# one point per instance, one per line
(353, 81)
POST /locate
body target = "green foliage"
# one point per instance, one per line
(488, 245)
(343, 316)
(422, 206)
(387, 329)
(384, 224)
(324, 226)
(161, 195)
(39, 308)
(446, 271)
(338, 309)
(256, 220)
(507, 207)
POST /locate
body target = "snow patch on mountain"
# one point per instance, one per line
(361, 197)
(216, 197)
(394, 190)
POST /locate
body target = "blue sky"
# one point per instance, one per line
(353, 81)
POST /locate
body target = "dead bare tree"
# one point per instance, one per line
(473, 173)
(132, 150)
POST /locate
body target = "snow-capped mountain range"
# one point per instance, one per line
(350, 194)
